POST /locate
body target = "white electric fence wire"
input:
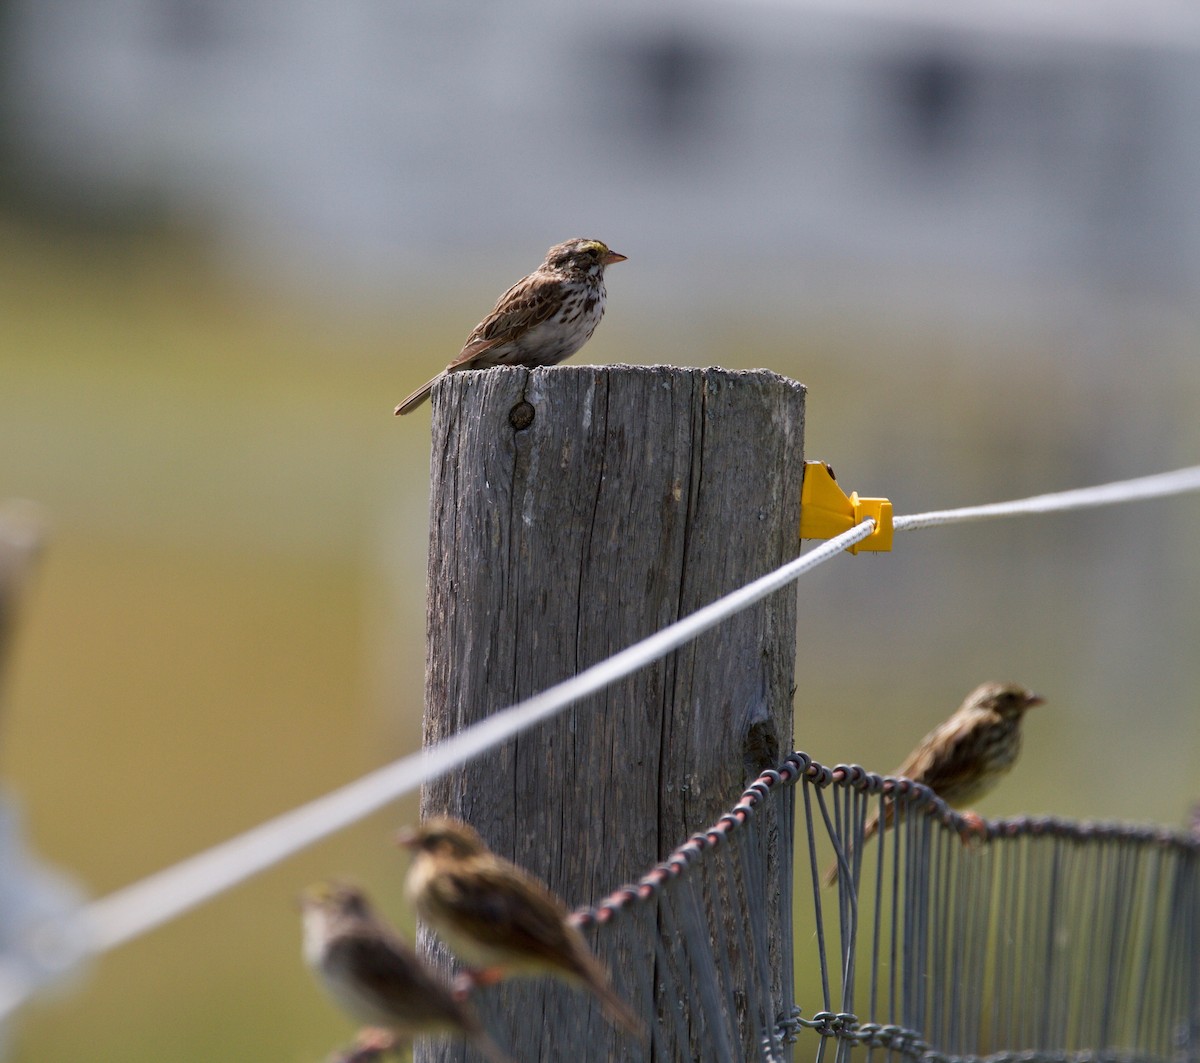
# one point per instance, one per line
(139, 908)
(144, 905)
(1158, 486)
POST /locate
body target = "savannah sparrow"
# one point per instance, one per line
(963, 758)
(541, 319)
(377, 978)
(497, 917)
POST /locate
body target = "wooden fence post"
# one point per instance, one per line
(575, 510)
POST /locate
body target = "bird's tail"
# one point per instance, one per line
(620, 1013)
(417, 397)
(869, 829)
(616, 1010)
(490, 1049)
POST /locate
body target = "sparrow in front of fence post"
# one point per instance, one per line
(498, 918)
(541, 319)
(377, 979)
(963, 758)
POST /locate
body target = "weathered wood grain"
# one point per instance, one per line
(633, 496)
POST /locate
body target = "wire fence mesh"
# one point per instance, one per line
(1037, 940)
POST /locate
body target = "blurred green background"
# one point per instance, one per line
(217, 630)
(229, 616)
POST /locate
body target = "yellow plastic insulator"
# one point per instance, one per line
(825, 511)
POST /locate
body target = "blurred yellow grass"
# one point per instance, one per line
(211, 637)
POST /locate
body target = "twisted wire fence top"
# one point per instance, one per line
(918, 798)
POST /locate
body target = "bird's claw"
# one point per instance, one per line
(371, 1043)
(477, 978)
(973, 830)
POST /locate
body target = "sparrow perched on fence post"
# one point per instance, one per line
(377, 979)
(542, 319)
(963, 758)
(498, 918)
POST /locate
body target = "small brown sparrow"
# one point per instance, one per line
(963, 758)
(541, 319)
(498, 918)
(377, 979)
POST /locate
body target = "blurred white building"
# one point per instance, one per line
(892, 136)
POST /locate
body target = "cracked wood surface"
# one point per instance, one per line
(575, 510)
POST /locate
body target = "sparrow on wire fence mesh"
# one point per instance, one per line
(542, 319)
(498, 918)
(377, 979)
(963, 758)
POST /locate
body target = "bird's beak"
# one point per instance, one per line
(1034, 699)
(406, 838)
(612, 258)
